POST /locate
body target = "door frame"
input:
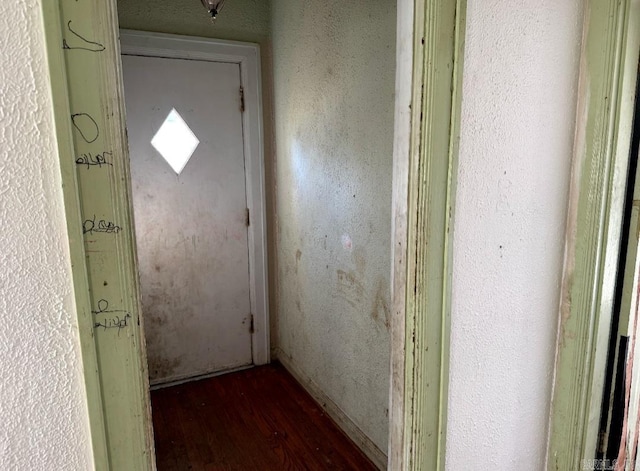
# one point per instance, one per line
(606, 91)
(247, 57)
(430, 56)
(86, 73)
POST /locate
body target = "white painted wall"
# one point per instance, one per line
(43, 413)
(334, 71)
(519, 100)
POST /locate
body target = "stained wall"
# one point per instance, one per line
(334, 72)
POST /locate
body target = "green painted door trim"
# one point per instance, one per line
(84, 65)
(601, 154)
(425, 169)
(64, 134)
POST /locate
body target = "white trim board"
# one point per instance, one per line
(247, 56)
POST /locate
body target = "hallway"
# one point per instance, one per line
(259, 418)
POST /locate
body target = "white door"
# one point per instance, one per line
(190, 214)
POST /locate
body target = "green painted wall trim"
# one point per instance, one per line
(84, 63)
(74, 226)
(438, 45)
(601, 153)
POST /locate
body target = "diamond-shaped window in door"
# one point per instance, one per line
(175, 141)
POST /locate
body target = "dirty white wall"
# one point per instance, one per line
(334, 70)
(43, 413)
(240, 20)
(519, 100)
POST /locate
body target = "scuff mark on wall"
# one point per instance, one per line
(347, 243)
(380, 311)
(349, 288)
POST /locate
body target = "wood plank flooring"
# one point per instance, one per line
(256, 419)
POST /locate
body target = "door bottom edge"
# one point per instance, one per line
(167, 383)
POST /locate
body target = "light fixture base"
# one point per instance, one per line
(213, 7)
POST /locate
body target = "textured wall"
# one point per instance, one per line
(334, 66)
(42, 407)
(240, 20)
(518, 111)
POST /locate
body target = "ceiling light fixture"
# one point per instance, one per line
(213, 7)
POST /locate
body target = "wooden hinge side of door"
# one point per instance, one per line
(241, 99)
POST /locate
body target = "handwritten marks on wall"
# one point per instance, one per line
(107, 318)
(89, 226)
(95, 166)
(86, 126)
(90, 160)
(80, 42)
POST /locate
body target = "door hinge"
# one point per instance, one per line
(248, 219)
(252, 327)
(241, 100)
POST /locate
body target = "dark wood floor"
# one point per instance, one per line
(255, 419)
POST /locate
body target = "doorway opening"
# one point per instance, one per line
(325, 194)
(336, 100)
